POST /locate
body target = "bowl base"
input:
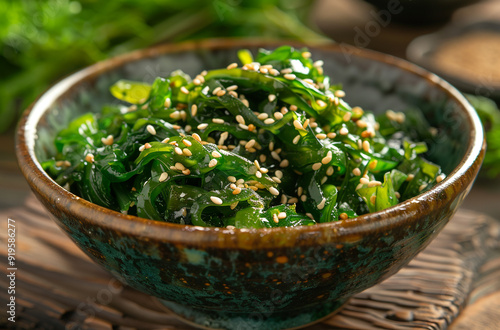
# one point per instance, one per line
(209, 319)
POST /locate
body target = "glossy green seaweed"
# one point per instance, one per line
(269, 143)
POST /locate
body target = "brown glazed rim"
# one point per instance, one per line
(342, 231)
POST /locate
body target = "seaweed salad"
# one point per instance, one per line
(266, 143)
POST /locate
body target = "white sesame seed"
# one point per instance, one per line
(356, 171)
(167, 103)
(321, 103)
(236, 191)
(300, 190)
(293, 200)
(275, 156)
(250, 144)
(357, 111)
(184, 90)
(289, 76)
(374, 183)
(216, 154)
(212, 163)
(440, 178)
(286, 71)
(151, 129)
(245, 102)
(422, 187)
(373, 199)
(284, 199)
(269, 121)
(306, 123)
(258, 174)
(180, 166)
(271, 146)
(321, 136)
(279, 174)
(343, 131)
(240, 119)
(284, 163)
(297, 125)
(107, 140)
(232, 66)
(293, 107)
(196, 137)
(89, 158)
(321, 205)
(273, 72)
(276, 179)
(216, 90)
(306, 54)
(221, 93)
(194, 110)
(275, 218)
(316, 166)
(271, 97)
(216, 200)
(329, 170)
(256, 162)
(339, 93)
(397, 194)
(231, 179)
(331, 135)
(163, 177)
(278, 115)
(303, 198)
(347, 116)
(196, 81)
(318, 63)
(242, 126)
(364, 180)
(187, 152)
(175, 115)
(325, 178)
(178, 151)
(410, 177)
(202, 126)
(366, 146)
(218, 121)
(274, 191)
(327, 158)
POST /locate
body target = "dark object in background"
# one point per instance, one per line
(465, 55)
(422, 11)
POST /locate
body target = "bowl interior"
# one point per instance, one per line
(374, 85)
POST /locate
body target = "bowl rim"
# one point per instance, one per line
(349, 229)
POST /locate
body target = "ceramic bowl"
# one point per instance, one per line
(261, 278)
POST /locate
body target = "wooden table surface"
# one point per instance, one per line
(454, 283)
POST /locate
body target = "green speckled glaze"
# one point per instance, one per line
(267, 278)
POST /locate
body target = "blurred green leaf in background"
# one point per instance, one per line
(44, 40)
